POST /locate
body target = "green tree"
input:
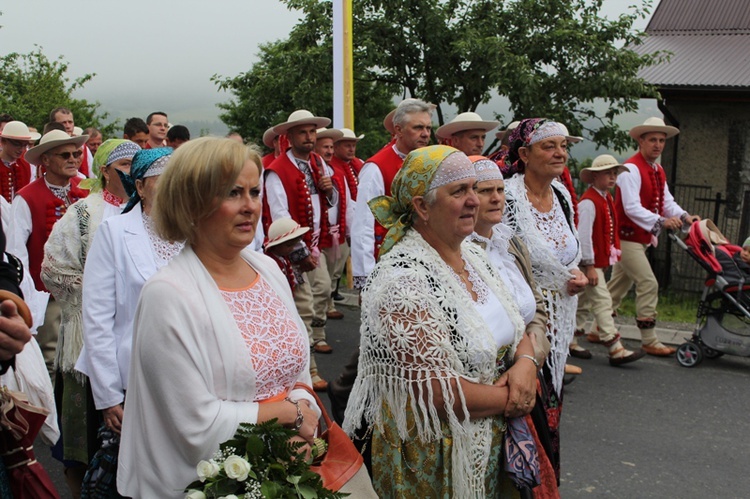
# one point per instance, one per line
(296, 73)
(31, 85)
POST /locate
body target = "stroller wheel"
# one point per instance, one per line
(689, 354)
(710, 353)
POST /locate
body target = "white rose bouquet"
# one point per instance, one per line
(260, 462)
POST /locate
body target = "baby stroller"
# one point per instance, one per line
(723, 318)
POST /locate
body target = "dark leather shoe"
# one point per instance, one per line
(335, 315)
(580, 353)
(320, 386)
(626, 359)
(337, 296)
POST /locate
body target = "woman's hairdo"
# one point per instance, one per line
(200, 173)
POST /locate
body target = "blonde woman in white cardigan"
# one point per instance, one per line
(216, 338)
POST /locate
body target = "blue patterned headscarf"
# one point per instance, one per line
(142, 160)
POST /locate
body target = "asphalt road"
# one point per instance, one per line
(651, 429)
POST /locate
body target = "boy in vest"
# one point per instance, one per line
(600, 248)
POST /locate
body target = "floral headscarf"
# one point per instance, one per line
(416, 176)
(142, 161)
(529, 131)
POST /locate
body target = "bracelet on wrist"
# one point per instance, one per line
(531, 358)
(300, 418)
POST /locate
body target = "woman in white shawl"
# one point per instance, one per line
(65, 255)
(539, 210)
(217, 340)
(438, 330)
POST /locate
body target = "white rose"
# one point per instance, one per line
(237, 468)
(207, 469)
(231, 496)
(195, 494)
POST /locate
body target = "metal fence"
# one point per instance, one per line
(674, 268)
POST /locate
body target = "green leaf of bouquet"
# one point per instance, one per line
(307, 492)
(271, 490)
(255, 446)
(293, 479)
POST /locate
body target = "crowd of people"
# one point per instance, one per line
(179, 287)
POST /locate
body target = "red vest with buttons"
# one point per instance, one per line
(604, 233)
(389, 163)
(350, 170)
(46, 209)
(653, 182)
(13, 178)
(299, 200)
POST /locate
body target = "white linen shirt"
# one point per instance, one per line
(371, 185)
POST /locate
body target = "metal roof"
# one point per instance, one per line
(709, 41)
(719, 16)
(699, 61)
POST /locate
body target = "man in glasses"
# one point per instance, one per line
(37, 208)
(64, 116)
(158, 125)
(15, 171)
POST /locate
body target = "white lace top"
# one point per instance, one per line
(163, 250)
(505, 263)
(554, 227)
(276, 346)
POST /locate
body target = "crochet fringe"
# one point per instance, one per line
(412, 309)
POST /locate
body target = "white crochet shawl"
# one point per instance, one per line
(420, 326)
(550, 274)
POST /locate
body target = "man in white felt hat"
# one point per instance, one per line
(411, 124)
(36, 209)
(600, 248)
(301, 186)
(16, 171)
(644, 207)
(324, 142)
(466, 132)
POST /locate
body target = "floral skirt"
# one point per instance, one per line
(416, 469)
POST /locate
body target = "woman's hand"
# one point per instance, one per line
(521, 382)
(14, 333)
(309, 422)
(113, 418)
(577, 283)
(306, 448)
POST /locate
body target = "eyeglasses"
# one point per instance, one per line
(66, 155)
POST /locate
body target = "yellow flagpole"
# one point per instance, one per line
(348, 66)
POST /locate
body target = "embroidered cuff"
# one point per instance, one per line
(656, 229)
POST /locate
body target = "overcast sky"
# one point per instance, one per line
(155, 54)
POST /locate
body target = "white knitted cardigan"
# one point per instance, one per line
(550, 274)
(420, 326)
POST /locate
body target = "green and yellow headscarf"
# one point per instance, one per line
(415, 178)
(110, 151)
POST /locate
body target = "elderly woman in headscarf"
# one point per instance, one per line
(124, 254)
(439, 327)
(62, 272)
(539, 210)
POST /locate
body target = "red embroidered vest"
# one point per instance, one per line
(300, 201)
(46, 209)
(604, 233)
(389, 164)
(653, 181)
(13, 178)
(350, 170)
